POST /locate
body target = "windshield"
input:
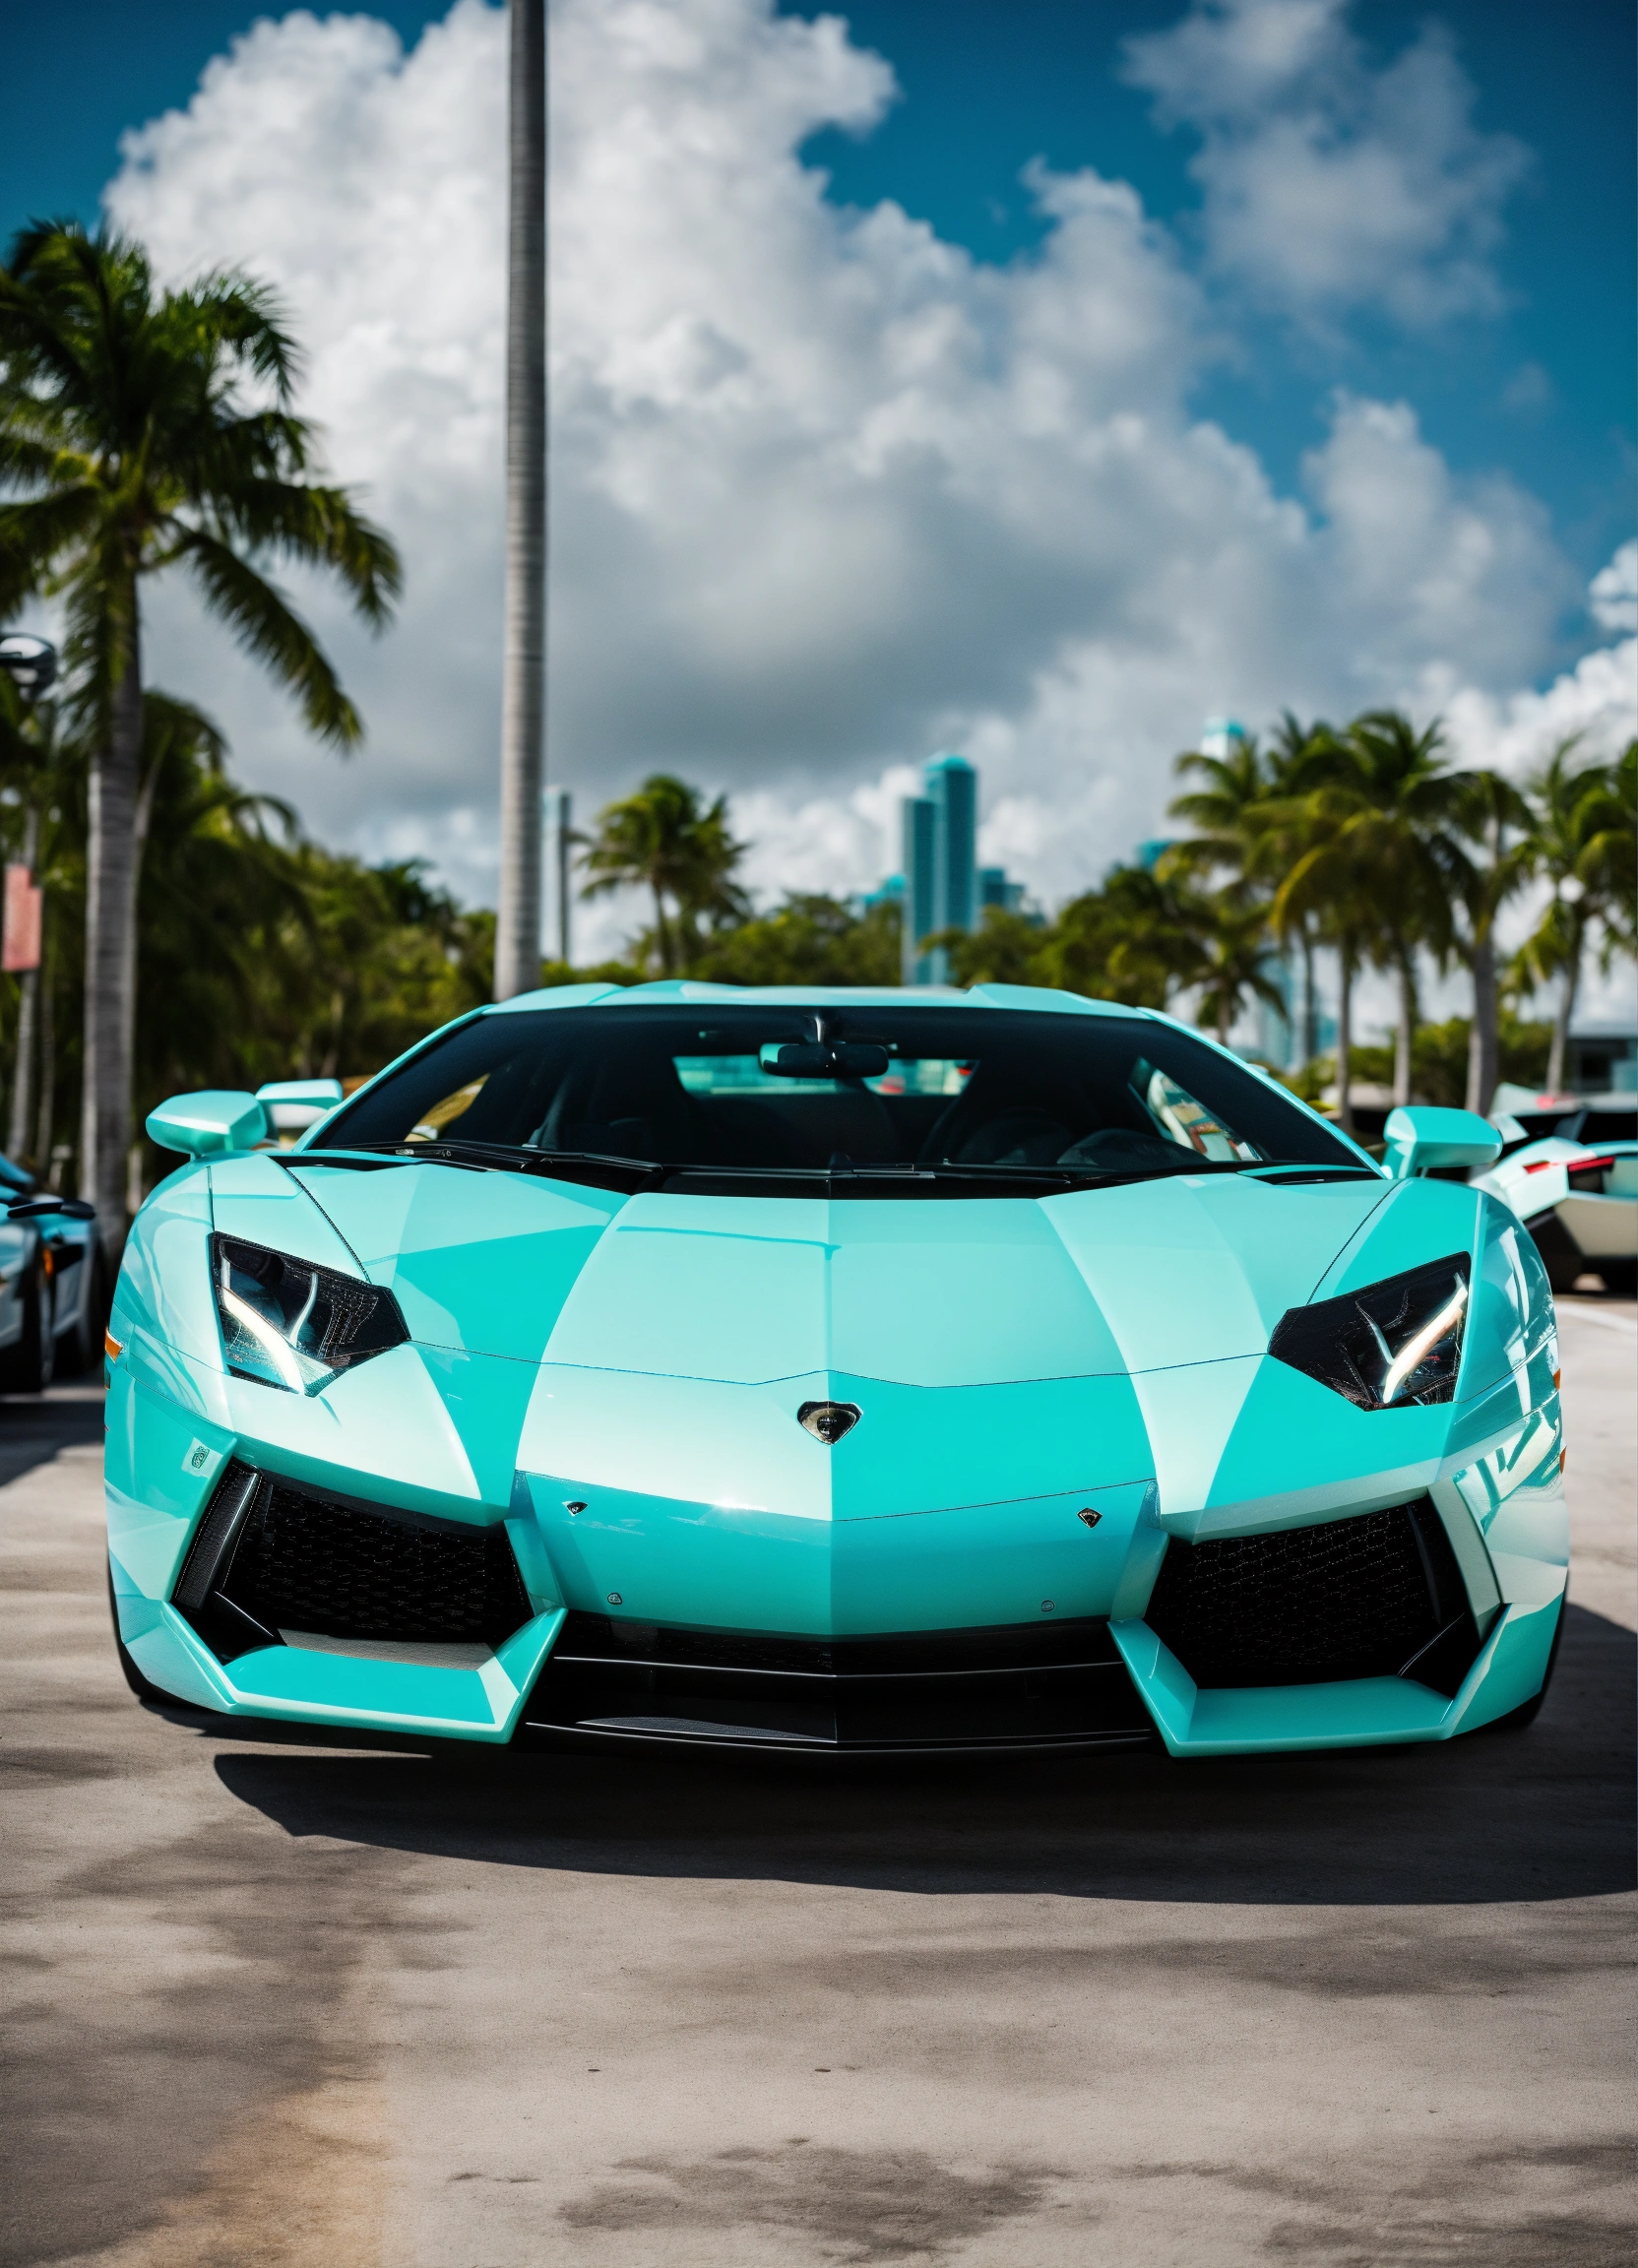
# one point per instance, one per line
(862, 1089)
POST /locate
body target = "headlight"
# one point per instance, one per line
(286, 1323)
(1390, 1344)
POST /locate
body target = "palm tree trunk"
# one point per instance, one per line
(112, 955)
(1405, 1033)
(1483, 1041)
(1344, 1041)
(28, 1014)
(1566, 1010)
(1310, 1002)
(662, 933)
(524, 683)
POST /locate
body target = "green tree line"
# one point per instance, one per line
(193, 937)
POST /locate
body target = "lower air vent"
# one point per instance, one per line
(272, 1556)
(1012, 1686)
(1375, 1596)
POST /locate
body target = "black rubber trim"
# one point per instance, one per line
(998, 1689)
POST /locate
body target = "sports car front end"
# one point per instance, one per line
(832, 1372)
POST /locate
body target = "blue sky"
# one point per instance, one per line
(1018, 376)
(1545, 387)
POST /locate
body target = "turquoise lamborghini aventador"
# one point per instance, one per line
(833, 1371)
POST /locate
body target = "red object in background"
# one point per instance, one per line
(19, 942)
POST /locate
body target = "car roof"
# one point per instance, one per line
(682, 991)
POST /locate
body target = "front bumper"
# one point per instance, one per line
(295, 1605)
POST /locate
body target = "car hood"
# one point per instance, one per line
(743, 1291)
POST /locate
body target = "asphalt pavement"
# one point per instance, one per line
(278, 2004)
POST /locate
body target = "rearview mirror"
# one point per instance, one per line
(1422, 1136)
(822, 1059)
(294, 1105)
(210, 1123)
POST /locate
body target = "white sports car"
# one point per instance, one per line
(1575, 1189)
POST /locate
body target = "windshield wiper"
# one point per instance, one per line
(502, 1158)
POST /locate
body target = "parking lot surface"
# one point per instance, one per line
(278, 2004)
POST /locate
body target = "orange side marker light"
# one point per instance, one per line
(111, 1346)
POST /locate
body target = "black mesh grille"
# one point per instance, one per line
(306, 1562)
(1356, 1597)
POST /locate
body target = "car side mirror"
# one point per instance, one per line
(209, 1124)
(294, 1105)
(1420, 1137)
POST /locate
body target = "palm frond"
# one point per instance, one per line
(267, 628)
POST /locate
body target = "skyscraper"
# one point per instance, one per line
(940, 852)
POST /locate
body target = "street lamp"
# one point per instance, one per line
(30, 662)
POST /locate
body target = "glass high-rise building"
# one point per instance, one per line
(941, 863)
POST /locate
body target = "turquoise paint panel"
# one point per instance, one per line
(914, 1449)
(263, 1202)
(476, 1261)
(1165, 1687)
(960, 1294)
(1205, 1722)
(1298, 1453)
(1039, 996)
(551, 996)
(1511, 1326)
(1189, 1415)
(193, 1382)
(1467, 1542)
(366, 1689)
(386, 1433)
(1417, 1222)
(165, 1278)
(683, 1437)
(485, 1398)
(654, 1559)
(299, 1686)
(1030, 1561)
(1353, 1713)
(920, 1448)
(660, 1559)
(161, 1465)
(170, 1656)
(704, 1288)
(1511, 1668)
(1199, 1269)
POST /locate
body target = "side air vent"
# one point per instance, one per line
(1378, 1595)
(271, 1555)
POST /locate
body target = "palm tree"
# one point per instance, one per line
(1235, 951)
(1299, 756)
(1486, 806)
(1137, 938)
(1236, 784)
(1406, 823)
(524, 666)
(1583, 842)
(668, 840)
(142, 430)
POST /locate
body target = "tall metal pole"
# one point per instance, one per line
(523, 695)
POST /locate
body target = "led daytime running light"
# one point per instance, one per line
(276, 1349)
(1412, 1353)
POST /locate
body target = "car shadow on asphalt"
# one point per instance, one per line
(1542, 1813)
(35, 1426)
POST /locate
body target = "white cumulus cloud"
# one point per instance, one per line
(1331, 184)
(827, 494)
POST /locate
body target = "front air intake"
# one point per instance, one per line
(270, 1556)
(1378, 1595)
